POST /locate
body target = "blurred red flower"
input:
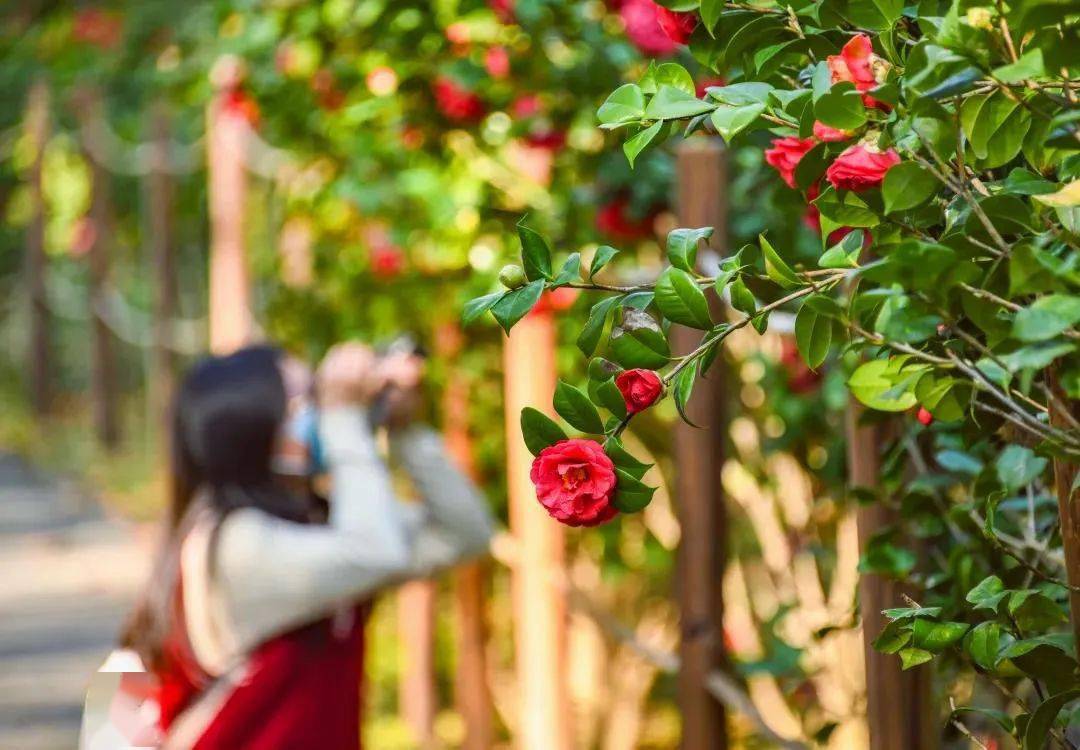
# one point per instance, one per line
(456, 102)
(98, 27)
(497, 62)
(642, 23)
(614, 219)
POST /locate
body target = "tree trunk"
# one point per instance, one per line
(102, 367)
(230, 289)
(471, 694)
(699, 461)
(900, 713)
(1068, 498)
(160, 199)
(39, 369)
(539, 606)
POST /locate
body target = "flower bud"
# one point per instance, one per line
(512, 276)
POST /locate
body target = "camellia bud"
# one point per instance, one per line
(980, 18)
(512, 276)
(924, 416)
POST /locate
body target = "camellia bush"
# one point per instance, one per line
(936, 146)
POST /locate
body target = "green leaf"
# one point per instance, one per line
(1018, 466)
(1023, 182)
(848, 210)
(959, 462)
(682, 246)
(937, 636)
(845, 253)
(944, 397)
(906, 186)
(1036, 356)
(710, 12)
(601, 258)
(474, 308)
(573, 405)
(539, 430)
(570, 270)
(680, 300)
(625, 104)
(682, 388)
(638, 143)
(892, 638)
(593, 329)
(631, 494)
(913, 657)
(982, 643)
(775, 267)
(882, 385)
(535, 254)
(513, 306)
(741, 297)
(671, 103)
(841, 107)
(987, 594)
(623, 460)
(639, 341)
(813, 334)
(1042, 719)
(876, 15)
(676, 76)
(1030, 65)
(607, 394)
(730, 121)
(1003, 719)
(1047, 317)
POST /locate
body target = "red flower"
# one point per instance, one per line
(551, 139)
(613, 219)
(641, 18)
(860, 168)
(701, 87)
(525, 106)
(575, 482)
(830, 135)
(639, 389)
(858, 64)
(497, 62)
(785, 155)
(924, 416)
(556, 300)
(503, 9)
(97, 27)
(456, 102)
(238, 102)
(387, 261)
(678, 26)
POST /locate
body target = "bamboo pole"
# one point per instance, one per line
(416, 631)
(230, 288)
(539, 605)
(471, 694)
(900, 714)
(701, 169)
(1068, 498)
(102, 367)
(159, 189)
(39, 366)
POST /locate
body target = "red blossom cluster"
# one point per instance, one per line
(653, 29)
(456, 102)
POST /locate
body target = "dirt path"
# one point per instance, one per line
(67, 575)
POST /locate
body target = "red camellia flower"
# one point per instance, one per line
(387, 261)
(503, 9)
(860, 167)
(641, 18)
(858, 64)
(639, 389)
(614, 220)
(456, 102)
(575, 482)
(830, 135)
(785, 155)
(497, 62)
(678, 26)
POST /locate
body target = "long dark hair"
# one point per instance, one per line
(225, 420)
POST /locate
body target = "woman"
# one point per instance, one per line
(253, 620)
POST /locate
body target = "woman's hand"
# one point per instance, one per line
(349, 375)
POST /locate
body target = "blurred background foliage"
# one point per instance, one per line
(397, 144)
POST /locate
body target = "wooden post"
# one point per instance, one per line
(1068, 497)
(39, 369)
(159, 191)
(230, 290)
(702, 183)
(471, 694)
(539, 605)
(416, 630)
(102, 367)
(899, 711)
